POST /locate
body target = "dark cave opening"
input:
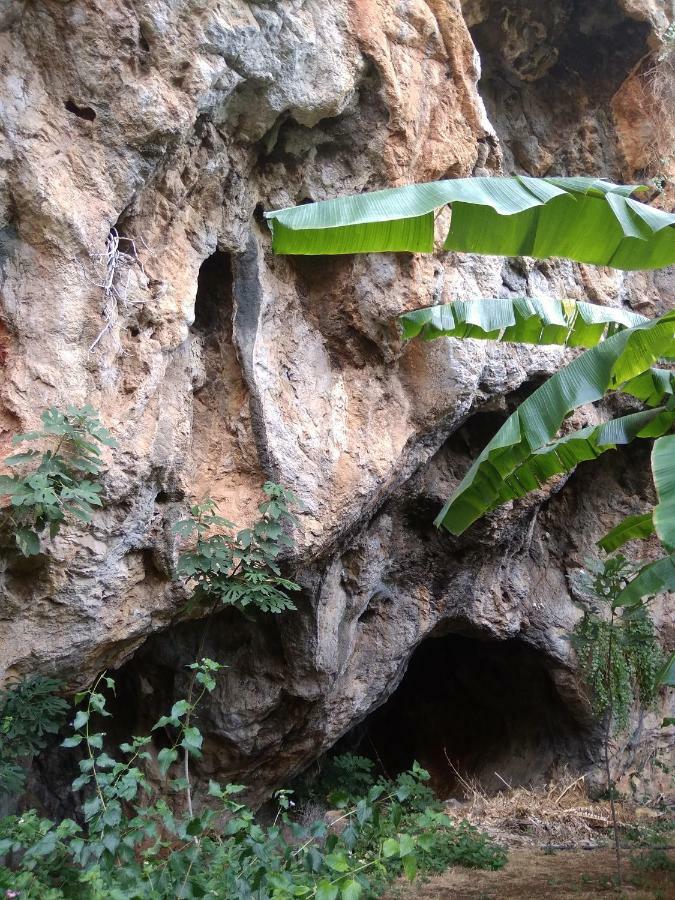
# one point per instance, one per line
(213, 303)
(490, 709)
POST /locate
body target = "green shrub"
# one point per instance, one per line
(130, 842)
(617, 647)
(239, 569)
(30, 711)
(57, 482)
(654, 860)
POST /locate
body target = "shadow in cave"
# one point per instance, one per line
(549, 72)
(213, 304)
(486, 706)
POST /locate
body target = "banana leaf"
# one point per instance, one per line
(583, 219)
(632, 528)
(652, 386)
(562, 455)
(652, 579)
(537, 420)
(528, 320)
(663, 471)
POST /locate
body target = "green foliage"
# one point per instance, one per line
(617, 646)
(132, 844)
(655, 860)
(239, 569)
(584, 219)
(526, 451)
(346, 775)
(30, 711)
(57, 482)
(663, 471)
(525, 320)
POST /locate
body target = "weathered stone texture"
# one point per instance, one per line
(175, 124)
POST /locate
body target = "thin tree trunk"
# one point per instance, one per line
(608, 732)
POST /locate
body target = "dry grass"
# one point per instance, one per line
(560, 815)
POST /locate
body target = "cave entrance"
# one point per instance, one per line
(213, 303)
(482, 710)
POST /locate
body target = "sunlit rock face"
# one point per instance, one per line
(216, 365)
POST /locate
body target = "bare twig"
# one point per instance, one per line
(569, 788)
(610, 713)
(465, 784)
(115, 287)
(509, 786)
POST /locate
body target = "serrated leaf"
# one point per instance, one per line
(406, 845)
(165, 758)
(179, 709)
(27, 541)
(390, 848)
(192, 739)
(81, 719)
(338, 862)
(351, 890)
(91, 808)
(326, 891)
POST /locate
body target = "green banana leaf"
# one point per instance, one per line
(652, 579)
(662, 518)
(562, 455)
(537, 420)
(632, 528)
(663, 470)
(528, 320)
(652, 386)
(583, 219)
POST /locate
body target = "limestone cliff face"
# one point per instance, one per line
(169, 127)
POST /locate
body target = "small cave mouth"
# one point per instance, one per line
(213, 303)
(82, 112)
(473, 710)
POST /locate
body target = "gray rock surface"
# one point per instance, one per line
(217, 365)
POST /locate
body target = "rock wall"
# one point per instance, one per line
(169, 127)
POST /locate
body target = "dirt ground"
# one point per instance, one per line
(533, 873)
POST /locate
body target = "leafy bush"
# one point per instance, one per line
(58, 482)
(654, 860)
(132, 843)
(617, 648)
(343, 777)
(30, 711)
(239, 569)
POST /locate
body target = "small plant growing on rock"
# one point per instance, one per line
(59, 481)
(617, 647)
(239, 569)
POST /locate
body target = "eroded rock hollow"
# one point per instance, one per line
(163, 130)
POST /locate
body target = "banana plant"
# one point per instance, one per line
(583, 219)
